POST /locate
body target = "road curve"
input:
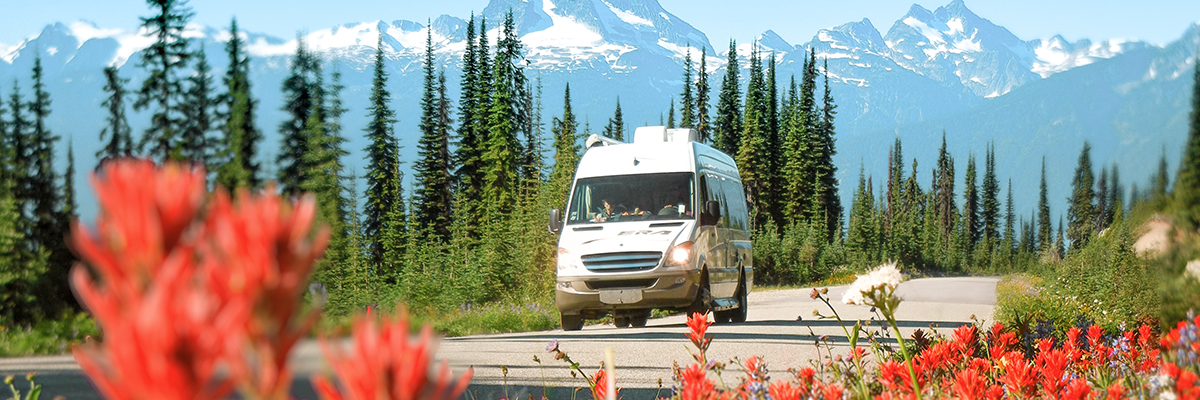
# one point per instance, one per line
(781, 328)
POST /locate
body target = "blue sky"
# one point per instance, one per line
(1157, 22)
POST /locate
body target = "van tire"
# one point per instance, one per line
(621, 321)
(703, 296)
(639, 320)
(572, 322)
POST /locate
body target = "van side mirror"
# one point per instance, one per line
(555, 221)
(713, 209)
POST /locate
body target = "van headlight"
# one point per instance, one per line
(680, 254)
(567, 261)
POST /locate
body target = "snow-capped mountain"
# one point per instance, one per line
(932, 71)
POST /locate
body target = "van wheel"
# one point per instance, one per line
(621, 321)
(639, 320)
(572, 322)
(739, 314)
(703, 296)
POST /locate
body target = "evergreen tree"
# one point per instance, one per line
(895, 188)
(1081, 213)
(383, 159)
(728, 129)
(798, 164)
(1102, 200)
(862, 236)
(198, 110)
(1116, 199)
(241, 135)
(701, 122)
(971, 226)
(163, 60)
(533, 163)
(1044, 240)
(826, 170)
(989, 207)
(1187, 180)
(1009, 240)
(943, 189)
(688, 105)
(299, 95)
(466, 154)
(1059, 251)
(503, 147)
(616, 125)
(753, 149)
(47, 199)
(433, 191)
(1160, 182)
(808, 92)
(119, 142)
(671, 115)
(566, 150)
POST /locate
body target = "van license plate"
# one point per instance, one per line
(620, 296)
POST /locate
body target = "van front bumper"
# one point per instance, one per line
(594, 295)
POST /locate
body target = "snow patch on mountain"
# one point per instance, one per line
(629, 17)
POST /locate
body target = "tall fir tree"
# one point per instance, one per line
(1101, 201)
(1187, 180)
(323, 176)
(971, 225)
(532, 163)
(989, 207)
(943, 189)
(434, 184)
(831, 204)
(1009, 240)
(671, 115)
(1116, 195)
(1044, 240)
(566, 150)
(687, 98)
(196, 141)
(466, 153)
(116, 136)
(754, 150)
(616, 125)
(702, 122)
(383, 158)
(798, 163)
(502, 149)
(728, 128)
(163, 60)
(241, 134)
(895, 188)
(1081, 213)
(299, 95)
(1160, 183)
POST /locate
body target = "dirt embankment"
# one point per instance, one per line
(1156, 239)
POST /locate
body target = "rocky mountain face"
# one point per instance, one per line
(932, 72)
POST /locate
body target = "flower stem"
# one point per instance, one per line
(912, 374)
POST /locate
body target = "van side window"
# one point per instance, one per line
(717, 192)
(737, 204)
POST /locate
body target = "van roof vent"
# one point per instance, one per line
(660, 134)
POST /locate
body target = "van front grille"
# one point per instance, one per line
(622, 262)
(622, 284)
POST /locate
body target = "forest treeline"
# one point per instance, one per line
(473, 228)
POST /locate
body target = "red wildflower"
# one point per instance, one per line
(599, 386)
(166, 335)
(1115, 391)
(1019, 375)
(696, 384)
(995, 392)
(1052, 363)
(783, 390)
(1078, 389)
(697, 327)
(384, 363)
(1186, 387)
(893, 375)
(832, 391)
(969, 384)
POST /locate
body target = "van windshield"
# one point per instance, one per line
(632, 198)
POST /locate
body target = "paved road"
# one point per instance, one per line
(781, 328)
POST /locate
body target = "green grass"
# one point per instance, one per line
(52, 336)
(499, 317)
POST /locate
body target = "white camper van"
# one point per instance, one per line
(658, 223)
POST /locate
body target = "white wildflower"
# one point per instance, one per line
(886, 276)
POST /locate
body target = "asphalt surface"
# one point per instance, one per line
(780, 328)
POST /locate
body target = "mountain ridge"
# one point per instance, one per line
(945, 69)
